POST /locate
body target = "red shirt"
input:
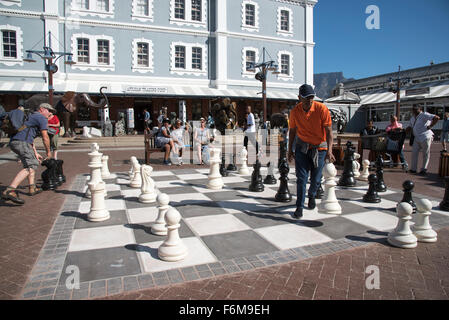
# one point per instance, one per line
(54, 120)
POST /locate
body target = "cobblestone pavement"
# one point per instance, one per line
(25, 229)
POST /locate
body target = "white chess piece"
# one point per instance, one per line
(95, 166)
(148, 194)
(98, 210)
(158, 227)
(243, 170)
(172, 249)
(215, 178)
(402, 236)
(104, 168)
(356, 165)
(136, 181)
(365, 171)
(329, 204)
(422, 228)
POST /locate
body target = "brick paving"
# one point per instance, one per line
(24, 231)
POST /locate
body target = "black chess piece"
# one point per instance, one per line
(223, 171)
(319, 192)
(60, 172)
(269, 179)
(380, 186)
(371, 196)
(347, 177)
(256, 179)
(283, 194)
(444, 205)
(408, 186)
(232, 166)
(49, 176)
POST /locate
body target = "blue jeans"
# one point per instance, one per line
(304, 165)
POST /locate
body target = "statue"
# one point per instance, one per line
(224, 115)
(339, 118)
(120, 125)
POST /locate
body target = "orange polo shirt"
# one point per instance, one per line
(310, 125)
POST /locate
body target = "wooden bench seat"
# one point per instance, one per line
(150, 145)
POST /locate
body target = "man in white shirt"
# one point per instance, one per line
(421, 123)
(250, 130)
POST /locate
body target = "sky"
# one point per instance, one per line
(411, 33)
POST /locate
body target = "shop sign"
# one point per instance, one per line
(414, 92)
(145, 90)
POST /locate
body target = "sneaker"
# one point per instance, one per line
(423, 172)
(167, 163)
(312, 204)
(298, 213)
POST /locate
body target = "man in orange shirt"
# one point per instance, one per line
(311, 127)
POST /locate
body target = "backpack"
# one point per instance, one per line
(13, 122)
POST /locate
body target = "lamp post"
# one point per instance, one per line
(50, 57)
(395, 87)
(264, 67)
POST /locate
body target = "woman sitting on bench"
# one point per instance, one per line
(164, 141)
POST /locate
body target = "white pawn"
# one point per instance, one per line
(356, 165)
(131, 170)
(243, 170)
(172, 249)
(136, 181)
(329, 204)
(98, 210)
(148, 194)
(402, 236)
(104, 167)
(158, 227)
(365, 171)
(422, 228)
(215, 178)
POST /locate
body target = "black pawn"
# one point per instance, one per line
(371, 196)
(319, 192)
(347, 177)
(269, 179)
(444, 205)
(223, 171)
(283, 194)
(380, 186)
(232, 166)
(60, 172)
(256, 179)
(49, 176)
(408, 189)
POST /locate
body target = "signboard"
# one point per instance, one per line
(145, 90)
(414, 92)
(182, 110)
(130, 118)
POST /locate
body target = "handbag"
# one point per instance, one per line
(392, 145)
(51, 131)
(380, 144)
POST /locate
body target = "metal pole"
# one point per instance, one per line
(398, 96)
(264, 88)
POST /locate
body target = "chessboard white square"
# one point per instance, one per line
(171, 183)
(100, 238)
(192, 176)
(187, 198)
(111, 204)
(143, 215)
(198, 253)
(287, 236)
(384, 203)
(112, 187)
(120, 181)
(161, 173)
(233, 179)
(436, 208)
(131, 193)
(374, 219)
(235, 206)
(215, 224)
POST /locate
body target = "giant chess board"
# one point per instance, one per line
(225, 231)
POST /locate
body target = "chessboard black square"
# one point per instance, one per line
(200, 209)
(180, 189)
(142, 232)
(116, 217)
(134, 203)
(224, 195)
(267, 218)
(102, 263)
(198, 182)
(237, 244)
(164, 178)
(338, 227)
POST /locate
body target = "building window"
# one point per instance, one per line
(9, 44)
(83, 4)
(285, 64)
(180, 9)
(250, 56)
(250, 13)
(250, 60)
(142, 10)
(142, 7)
(196, 10)
(188, 58)
(11, 2)
(285, 17)
(285, 21)
(196, 58)
(103, 52)
(180, 57)
(142, 55)
(103, 5)
(100, 8)
(83, 51)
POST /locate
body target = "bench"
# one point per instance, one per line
(150, 145)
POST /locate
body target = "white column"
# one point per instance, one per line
(309, 43)
(221, 62)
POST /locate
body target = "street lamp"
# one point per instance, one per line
(264, 67)
(50, 57)
(395, 87)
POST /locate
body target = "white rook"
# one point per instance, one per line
(402, 235)
(243, 157)
(98, 210)
(422, 228)
(172, 249)
(104, 168)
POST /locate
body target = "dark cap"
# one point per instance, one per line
(166, 120)
(306, 90)
(46, 106)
